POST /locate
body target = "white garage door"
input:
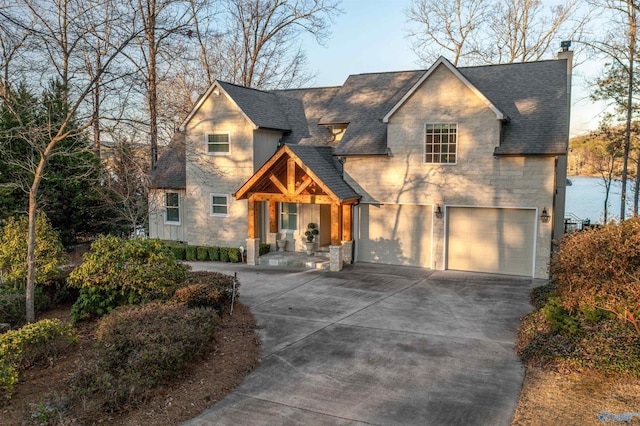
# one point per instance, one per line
(394, 234)
(491, 240)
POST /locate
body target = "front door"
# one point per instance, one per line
(325, 225)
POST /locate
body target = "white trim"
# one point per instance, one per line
(442, 61)
(446, 230)
(206, 142)
(424, 143)
(289, 231)
(205, 96)
(164, 209)
(211, 213)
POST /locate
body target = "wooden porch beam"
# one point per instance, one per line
(303, 199)
(273, 217)
(347, 222)
(291, 176)
(306, 181)
(273, 178)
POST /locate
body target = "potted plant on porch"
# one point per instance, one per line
(310, 234)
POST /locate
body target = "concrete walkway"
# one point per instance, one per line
(378, 344)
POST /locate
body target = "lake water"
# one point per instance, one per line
(585, 198)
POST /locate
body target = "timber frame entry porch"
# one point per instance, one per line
(305, 175)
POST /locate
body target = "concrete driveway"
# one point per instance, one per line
(380, 345)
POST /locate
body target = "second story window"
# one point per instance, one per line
(218, 143)
(441, 143)
(288, 216)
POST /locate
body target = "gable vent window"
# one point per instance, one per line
(441, 143)
(218, 143)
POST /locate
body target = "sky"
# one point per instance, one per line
(371, 36)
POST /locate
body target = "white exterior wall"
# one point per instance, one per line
(158, 227)
(221, 173)
(478, 178)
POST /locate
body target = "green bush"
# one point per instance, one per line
(600, 269)
(190, 254)
(224, 254)
(118, 272)
(13, 305)
(207, 289)
(13, 251)
(34, 342)
(264, 249)
(140, 348)
(178, 252)
(234, 254)
(202, 253)
(214, 253)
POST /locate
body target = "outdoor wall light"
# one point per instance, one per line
(544, 217)
(439, 212)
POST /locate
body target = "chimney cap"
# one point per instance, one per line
(565, 45)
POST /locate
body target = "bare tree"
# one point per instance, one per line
(449, 26)
(45, 139)
(491, 32)
(160, 21)
(261, 45)
(125, 191)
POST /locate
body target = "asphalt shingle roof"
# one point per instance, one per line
(532, 94)
(262, 107)
(534, 97)
(170, 171)
(324, 164)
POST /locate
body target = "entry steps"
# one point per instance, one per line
(319, 260)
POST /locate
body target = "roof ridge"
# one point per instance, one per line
(246, 87)
(507, 64)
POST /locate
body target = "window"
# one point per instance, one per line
(219, 205)
(172, 207)
(288, 216)
(218, 143)
(441, 143)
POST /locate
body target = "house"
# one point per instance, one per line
(446, 168)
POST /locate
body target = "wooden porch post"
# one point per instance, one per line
(346, 222)
(273, 217)
(336, 224)
(252, 217)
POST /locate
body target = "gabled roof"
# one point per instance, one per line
(534, 97)
(261, 108)
(443, 62)
(317, 162)
(170, 171)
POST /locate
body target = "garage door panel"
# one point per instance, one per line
(395, 234)
(491, 240)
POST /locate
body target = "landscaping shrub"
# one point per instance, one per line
(264, 249)
(13, 251)
(214, 253)
(13, 305)
(34, 342)
(190, 253)
(178, 252)
(234, 254)
(139, 348)
(599, 269)
(202, 253)
(588, 316)
(207, 289)
(118, 272)
(224, 254)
